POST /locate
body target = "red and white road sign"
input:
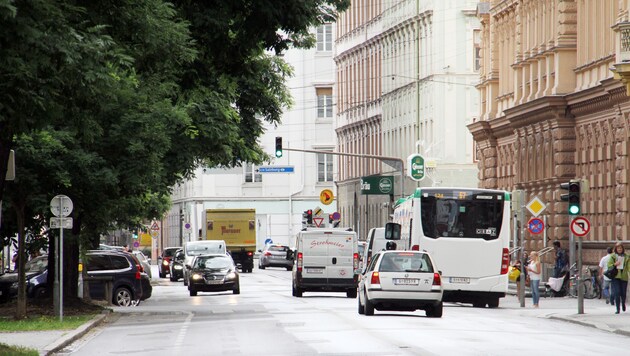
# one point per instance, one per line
(318, 221)
(155, 226)
(580, 226)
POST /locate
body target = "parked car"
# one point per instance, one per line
(120, 270)
(164, 260)
(275, 256)
(213, 273)
(401, 281)
(176, 268)
(144, 260)
(36, 271)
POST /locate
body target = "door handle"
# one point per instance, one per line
(334, 260)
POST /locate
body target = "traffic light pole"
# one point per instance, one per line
(381, 158)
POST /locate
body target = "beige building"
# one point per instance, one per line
(551, 111)
(406, 77)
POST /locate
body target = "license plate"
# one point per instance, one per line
(218, 281)
(315, 270)
(460, 280)
(406, 281)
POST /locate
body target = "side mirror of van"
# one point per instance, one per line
(392, 231)
(290, 255)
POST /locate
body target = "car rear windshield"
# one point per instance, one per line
(405, 262)
(278, 248)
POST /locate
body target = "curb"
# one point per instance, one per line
(75, 334)
(598, 326)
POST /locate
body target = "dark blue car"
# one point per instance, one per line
(36, 280)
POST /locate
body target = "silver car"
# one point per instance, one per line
(401, 281)
(144, 261)
(275, 256)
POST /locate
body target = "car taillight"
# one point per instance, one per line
(299, 261)
(505, 261)
(140, 268)
(249, 253)
(437, 280)
(415, 248)
(267, 253)
(375, 278)
(355, 261)
(138, 276)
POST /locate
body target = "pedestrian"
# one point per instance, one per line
(126, 248)
(620, 282)
(603, 267)
(534, 270)
(561, 264)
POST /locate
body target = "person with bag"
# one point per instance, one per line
(603, 267)
(534, 270)
(619, 283)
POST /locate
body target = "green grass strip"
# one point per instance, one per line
(17, 351)
(8, 324)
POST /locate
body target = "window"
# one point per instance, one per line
(324, 167)
(252, 175)
(324, 102)
(324, 37)
(98, 263)
(477, 47)
(119, 262)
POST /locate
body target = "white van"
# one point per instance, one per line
(326, 260)
(198, 248)
(376, 242)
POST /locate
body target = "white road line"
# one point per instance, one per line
(179, 342)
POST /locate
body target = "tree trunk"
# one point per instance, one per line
(20, 311)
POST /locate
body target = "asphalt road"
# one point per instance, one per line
(266, 320)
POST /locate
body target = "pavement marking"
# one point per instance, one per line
(179, 342)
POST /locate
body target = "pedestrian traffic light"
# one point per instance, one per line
(308, 216)
(278, 146)
(573, 196)
(330, 218)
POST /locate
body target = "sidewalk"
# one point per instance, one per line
(597, 314)
(47, 342)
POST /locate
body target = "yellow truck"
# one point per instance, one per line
(237, 227)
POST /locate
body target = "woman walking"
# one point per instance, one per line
(534, 276)
(619, 283)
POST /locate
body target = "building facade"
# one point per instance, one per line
(406, 76)
(551, 111)
(279, 198)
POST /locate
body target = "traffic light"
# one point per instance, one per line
(572, 197)
(330, 218)
(308, 216)
(278, 146)
(134, 235)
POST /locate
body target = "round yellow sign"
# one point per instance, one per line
(326, 196)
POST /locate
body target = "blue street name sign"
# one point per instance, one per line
(276, 169)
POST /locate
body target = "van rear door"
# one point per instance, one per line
(341, 249)
(314, 255)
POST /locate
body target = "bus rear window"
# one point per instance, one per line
(461, 218)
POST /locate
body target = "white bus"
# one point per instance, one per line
(467, 232)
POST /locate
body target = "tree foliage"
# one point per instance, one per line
(114, 103)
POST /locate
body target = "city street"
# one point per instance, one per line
(266, 320)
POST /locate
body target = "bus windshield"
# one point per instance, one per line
(461, 214)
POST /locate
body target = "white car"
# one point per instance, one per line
(401, 281)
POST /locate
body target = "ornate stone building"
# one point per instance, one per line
(551, 111)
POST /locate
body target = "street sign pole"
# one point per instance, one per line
(580, 292)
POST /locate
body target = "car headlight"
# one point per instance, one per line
(231, 275)
(197, 277)
(165, 262)
(178, 267)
